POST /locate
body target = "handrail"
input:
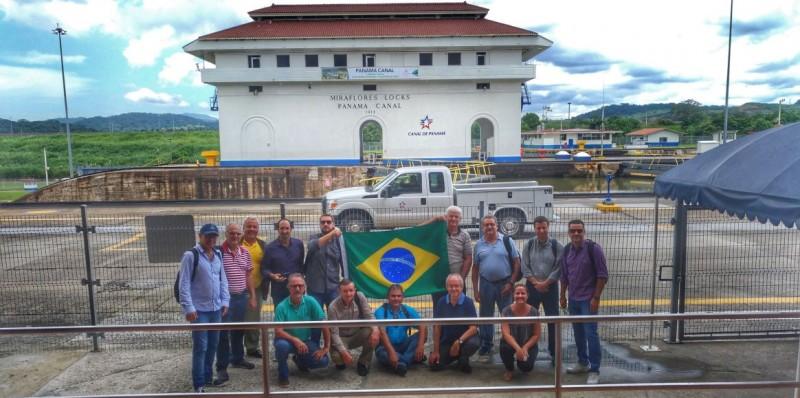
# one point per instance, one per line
(557, 387)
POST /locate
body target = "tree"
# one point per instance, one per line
(687, 113)
(529, 122)
(624, 124)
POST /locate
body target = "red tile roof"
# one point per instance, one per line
(381, 8)
(649, 131)
(288, 29)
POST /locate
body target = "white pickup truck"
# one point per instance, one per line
(410, 195)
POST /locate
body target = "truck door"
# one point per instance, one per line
(406, 200)
(439, 197)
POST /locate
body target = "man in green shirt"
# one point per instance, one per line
(303, 342)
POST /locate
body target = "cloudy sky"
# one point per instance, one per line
(127, 56)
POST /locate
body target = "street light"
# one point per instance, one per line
(569, 114)
(60, 32)
(728, 78)
(780, 104)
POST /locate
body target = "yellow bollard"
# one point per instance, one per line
(212, 158)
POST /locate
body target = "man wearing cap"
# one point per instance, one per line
(204, 298)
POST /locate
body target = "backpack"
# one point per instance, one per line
(553, 246)
(357, 300)
(196, 260)
(510, 251)
(589, 246)
(387, 311)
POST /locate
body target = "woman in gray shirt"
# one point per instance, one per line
(520, 341)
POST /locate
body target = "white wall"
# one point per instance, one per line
(671, 137)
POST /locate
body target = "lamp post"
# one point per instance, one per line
(569, 115)
(728, 78)
(59, 31)
(780, 104)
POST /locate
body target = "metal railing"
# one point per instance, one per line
(557, 388)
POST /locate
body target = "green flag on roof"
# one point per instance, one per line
(415, 258)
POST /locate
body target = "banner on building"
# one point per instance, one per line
(369, 73)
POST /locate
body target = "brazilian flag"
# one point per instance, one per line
(415, 258)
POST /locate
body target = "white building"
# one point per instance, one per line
(568, 139)
(297, 85)
(654, 137)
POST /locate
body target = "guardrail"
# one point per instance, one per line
(558, 387)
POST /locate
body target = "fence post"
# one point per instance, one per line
(650, 346)
(89, 281)
(283, 210)
(480, 219)
(558, 364)
(677, 296)
(264, 360)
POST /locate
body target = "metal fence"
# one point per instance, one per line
(57, 265)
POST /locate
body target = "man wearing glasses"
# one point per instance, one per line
(323, 266)
(584, 275)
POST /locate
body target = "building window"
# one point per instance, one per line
(339, 59)
(368, 60)
(425, 59)
(563, 137)
(662, 139)
(283, 60)
(436, 182)
(606, 136)
(312, 60)
(253, 61)
(482, 86)
(370, 87)
(454, 58)
(480, 58)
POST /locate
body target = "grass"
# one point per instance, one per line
(8, 196)
(21, 155)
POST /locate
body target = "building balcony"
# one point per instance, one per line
(405, 73)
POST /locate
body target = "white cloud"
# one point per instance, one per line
(37, 58)
(178, 67)
(145, 49)
(149, 96)
(17, 82)
(203, 105)
(77, 18)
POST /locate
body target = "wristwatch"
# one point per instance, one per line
(460, 342)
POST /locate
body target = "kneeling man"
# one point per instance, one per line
(399, 348)
(352, 305)
(454, 342)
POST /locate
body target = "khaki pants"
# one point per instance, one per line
(251, 337)
(360, 339)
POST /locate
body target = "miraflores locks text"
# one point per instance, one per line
(369, 101)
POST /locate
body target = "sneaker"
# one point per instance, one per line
(578, 368)
(283, 383)
(255, 354)
(199, 390)
(362, 369)
(401, 369)
(594, 378)
(243, 365)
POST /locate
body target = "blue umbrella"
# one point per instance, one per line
(757, 176)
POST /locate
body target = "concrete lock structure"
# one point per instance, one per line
(335, 84)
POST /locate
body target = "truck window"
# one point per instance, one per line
(436, 182)
(407, 183)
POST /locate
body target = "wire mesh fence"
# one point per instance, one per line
(733, 265)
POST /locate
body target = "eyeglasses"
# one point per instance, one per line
(326, 222)
(300, 286)
(576, 231)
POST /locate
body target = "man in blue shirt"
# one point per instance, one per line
(399, 349)
(204, 297)
(493, 277)
(282, 257)
(454, 342)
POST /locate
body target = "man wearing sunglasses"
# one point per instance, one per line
(323, 266)
(583, 276)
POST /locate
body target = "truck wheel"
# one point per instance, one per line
(355, 222)
(511, 223)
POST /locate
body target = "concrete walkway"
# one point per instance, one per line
(63, 373)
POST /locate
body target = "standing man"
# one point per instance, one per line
(495, 267)
(584, 275)
(282, 257)
(203, 293)
(302, 342)
(238, 266)
(454, 342)
(399, 348)
(541, 268)
(323, 266)
(255, 247)
(351, 305)
(459, 246)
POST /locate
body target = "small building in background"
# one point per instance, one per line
(653, 137)
(717, 136)
(568, 139)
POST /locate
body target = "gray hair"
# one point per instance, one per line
(231, 225)
(488, 217)
(454, 209)
(456, 275)
(250, 218)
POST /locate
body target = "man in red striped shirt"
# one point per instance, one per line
(238, 266)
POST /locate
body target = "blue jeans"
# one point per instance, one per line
(549, 301)
(405, 351)
(306, 361)
(231, 343)
(491, 297)
(586, 335)
(204, 346)
(325, 299)
(508, 356)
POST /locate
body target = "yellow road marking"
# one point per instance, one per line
(422, 305)
(117, 246)
(40, 212)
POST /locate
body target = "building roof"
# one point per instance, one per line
(650, 131)
(282, 10)
(348, 28)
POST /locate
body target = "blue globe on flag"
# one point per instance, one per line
(397, 265)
